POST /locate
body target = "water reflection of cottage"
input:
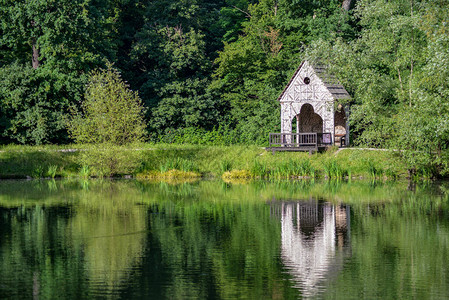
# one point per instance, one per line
(315, 241)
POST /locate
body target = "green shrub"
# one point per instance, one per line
(111, 112)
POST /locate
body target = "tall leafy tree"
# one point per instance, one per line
(34, 103)
(172, 53)
(48, 46)
(249, 73)
(395, 70)
(53, 31)
(253, 69)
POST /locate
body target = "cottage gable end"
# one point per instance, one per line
(312, 83)
(310, 98)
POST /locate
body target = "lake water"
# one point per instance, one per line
(209, 239)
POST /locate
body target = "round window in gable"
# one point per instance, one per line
(306, 80)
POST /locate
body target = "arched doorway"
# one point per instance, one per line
(340, 127)
(308, 121)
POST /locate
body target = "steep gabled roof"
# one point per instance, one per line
(291, 80)
(330, 82)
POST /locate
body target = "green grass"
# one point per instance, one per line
(36, 162)
(97, 161)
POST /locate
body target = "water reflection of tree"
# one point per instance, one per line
(111, 230)
(215, 250)
(400, 251)
(315, 240)
(36, 256)
(211, 239)
(61, 240)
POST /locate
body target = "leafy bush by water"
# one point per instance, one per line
(111, 112)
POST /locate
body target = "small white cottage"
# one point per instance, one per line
(309, 109)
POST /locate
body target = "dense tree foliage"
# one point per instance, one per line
(46, 48)
(202, 65)
(396, 70)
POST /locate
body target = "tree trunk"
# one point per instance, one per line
(35, 57)
(347, 4)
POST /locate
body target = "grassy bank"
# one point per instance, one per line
(233, 162)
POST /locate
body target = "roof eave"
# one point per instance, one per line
(291, 80)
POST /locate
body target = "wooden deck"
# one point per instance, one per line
(299, 141)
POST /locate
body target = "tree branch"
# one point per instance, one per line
(241, 10)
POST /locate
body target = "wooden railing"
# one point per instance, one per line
(312, 139)
(324, 139)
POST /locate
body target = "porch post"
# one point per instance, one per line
(286, 122)
(347, 112)
(297, 128)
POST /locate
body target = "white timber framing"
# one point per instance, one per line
(313, 85)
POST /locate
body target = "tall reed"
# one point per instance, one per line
(178, 163)
(259, 169)
(373, 170)
(225, 166)
(51, 172)
(84, 171)
(293, 168)
(333, 170)
(38, 172)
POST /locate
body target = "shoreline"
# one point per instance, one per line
(234, 162)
